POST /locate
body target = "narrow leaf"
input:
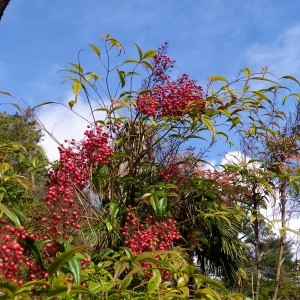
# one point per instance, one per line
(139, 51)
(217, 78)
(10, 214)
(210, 127)
(44, 103)
(149, 54)
(95, 49)
(155, 281)
(291, 78)
(63, 258)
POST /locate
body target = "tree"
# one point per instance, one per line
(3, 5)
(19, 138)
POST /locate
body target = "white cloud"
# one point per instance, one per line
(64, 123)
(282, 56)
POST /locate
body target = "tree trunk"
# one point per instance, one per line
(282, 198)
(3, 4)
(255, 201)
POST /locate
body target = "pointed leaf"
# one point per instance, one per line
(95, 49)
(248, 72)
(7, 93)
(209, 126)
(139, 51)
(9, 213)
(75, 268)
(63, 258)
(72, 103)
(291, 78)
(129, 60)
(217, 78)
(44, 103)
(147, 65)
(155, 281)
(149, 54)
(76, 88)
(121, 77)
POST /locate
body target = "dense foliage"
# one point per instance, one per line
(133, 211)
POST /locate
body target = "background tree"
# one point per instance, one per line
(3, 5)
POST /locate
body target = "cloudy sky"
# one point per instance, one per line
(217, 37)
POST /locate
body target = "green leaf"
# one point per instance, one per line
(121, 77)
(35, 162)
(147, 65)
(113, 209)
(63, 258)
(76, 88)
(28, 286)
(95, 49)
(129, 60)
(139, 51)
(7, 93)
(147, 195)
(155, 281)
(75, 268)
(291, 78)
(261, 95)
(62, 291)
(77, 66)
(44, 103)
(281, 230)
(209, 126)
(72, 103)
(119, 267)
(153, 204)
(235, 121)
(264, 79)
(248, 72)
(162, 204)
(108, 226)
(32, 246)
(217, 78)
(10, 214)
(8, 287)
(149, 54)
(143, 92)
(22, 218)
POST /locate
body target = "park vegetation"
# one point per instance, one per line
(134, 210)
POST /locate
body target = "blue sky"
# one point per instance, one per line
(207, 37)
(216, 37)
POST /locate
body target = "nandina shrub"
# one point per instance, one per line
(68, 180)
(147, 233)
(17, 263)
(167, 97)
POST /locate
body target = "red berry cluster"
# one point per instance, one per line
(162, 64)
(167, 97)
(173, 174)
(72, 176)
(148, 235)
(16, 264)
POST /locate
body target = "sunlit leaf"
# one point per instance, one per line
(149, 54)
(63, 258)
(71, 103)
(155, 281)
(44, 103)
(217, 78)
(291, 78)
(95, 49)
(139, 51)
